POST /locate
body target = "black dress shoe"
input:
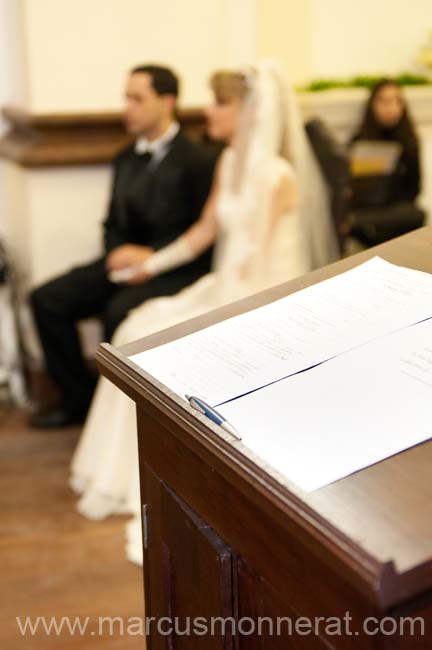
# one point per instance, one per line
(55, 419)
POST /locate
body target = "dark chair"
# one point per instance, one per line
(334, 164)
(374, 217)
(383, 205)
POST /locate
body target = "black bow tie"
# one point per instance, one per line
(145, 157)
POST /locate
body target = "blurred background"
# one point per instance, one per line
(62, 72)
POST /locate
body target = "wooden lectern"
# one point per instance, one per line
(347, 566)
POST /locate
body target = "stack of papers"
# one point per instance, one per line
(344, 415)
(311, 381)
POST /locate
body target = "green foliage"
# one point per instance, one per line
(408, 79)
(325, 84)
(365, 81)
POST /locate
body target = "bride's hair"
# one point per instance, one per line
(228, 85)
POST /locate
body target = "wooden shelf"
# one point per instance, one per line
(75, 138)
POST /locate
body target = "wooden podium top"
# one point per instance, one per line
(373, 527)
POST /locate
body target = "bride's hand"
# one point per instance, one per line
(139, 277)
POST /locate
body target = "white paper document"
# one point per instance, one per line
(344, 415)
(252, 350)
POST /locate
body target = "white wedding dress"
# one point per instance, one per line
(254, 251)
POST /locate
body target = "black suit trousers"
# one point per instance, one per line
(81, 293)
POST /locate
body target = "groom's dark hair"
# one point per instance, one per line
(164, 81)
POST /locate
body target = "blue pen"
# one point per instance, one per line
(201, 406)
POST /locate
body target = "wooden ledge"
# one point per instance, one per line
(75, 138)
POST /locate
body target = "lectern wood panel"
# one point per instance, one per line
(188, 572)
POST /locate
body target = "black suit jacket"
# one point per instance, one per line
(173, 194)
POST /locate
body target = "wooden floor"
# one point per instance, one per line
(53, 562)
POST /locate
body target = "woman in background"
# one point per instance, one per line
(384, 206)
(263, 238)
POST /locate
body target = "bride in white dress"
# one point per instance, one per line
(267, 232)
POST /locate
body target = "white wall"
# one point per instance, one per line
(283, 33)
(13, 86)
(16, 218)
(65, 209)
(12, 83)
(79, 52)
(350, 37)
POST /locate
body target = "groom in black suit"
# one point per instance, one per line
(160, 186)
